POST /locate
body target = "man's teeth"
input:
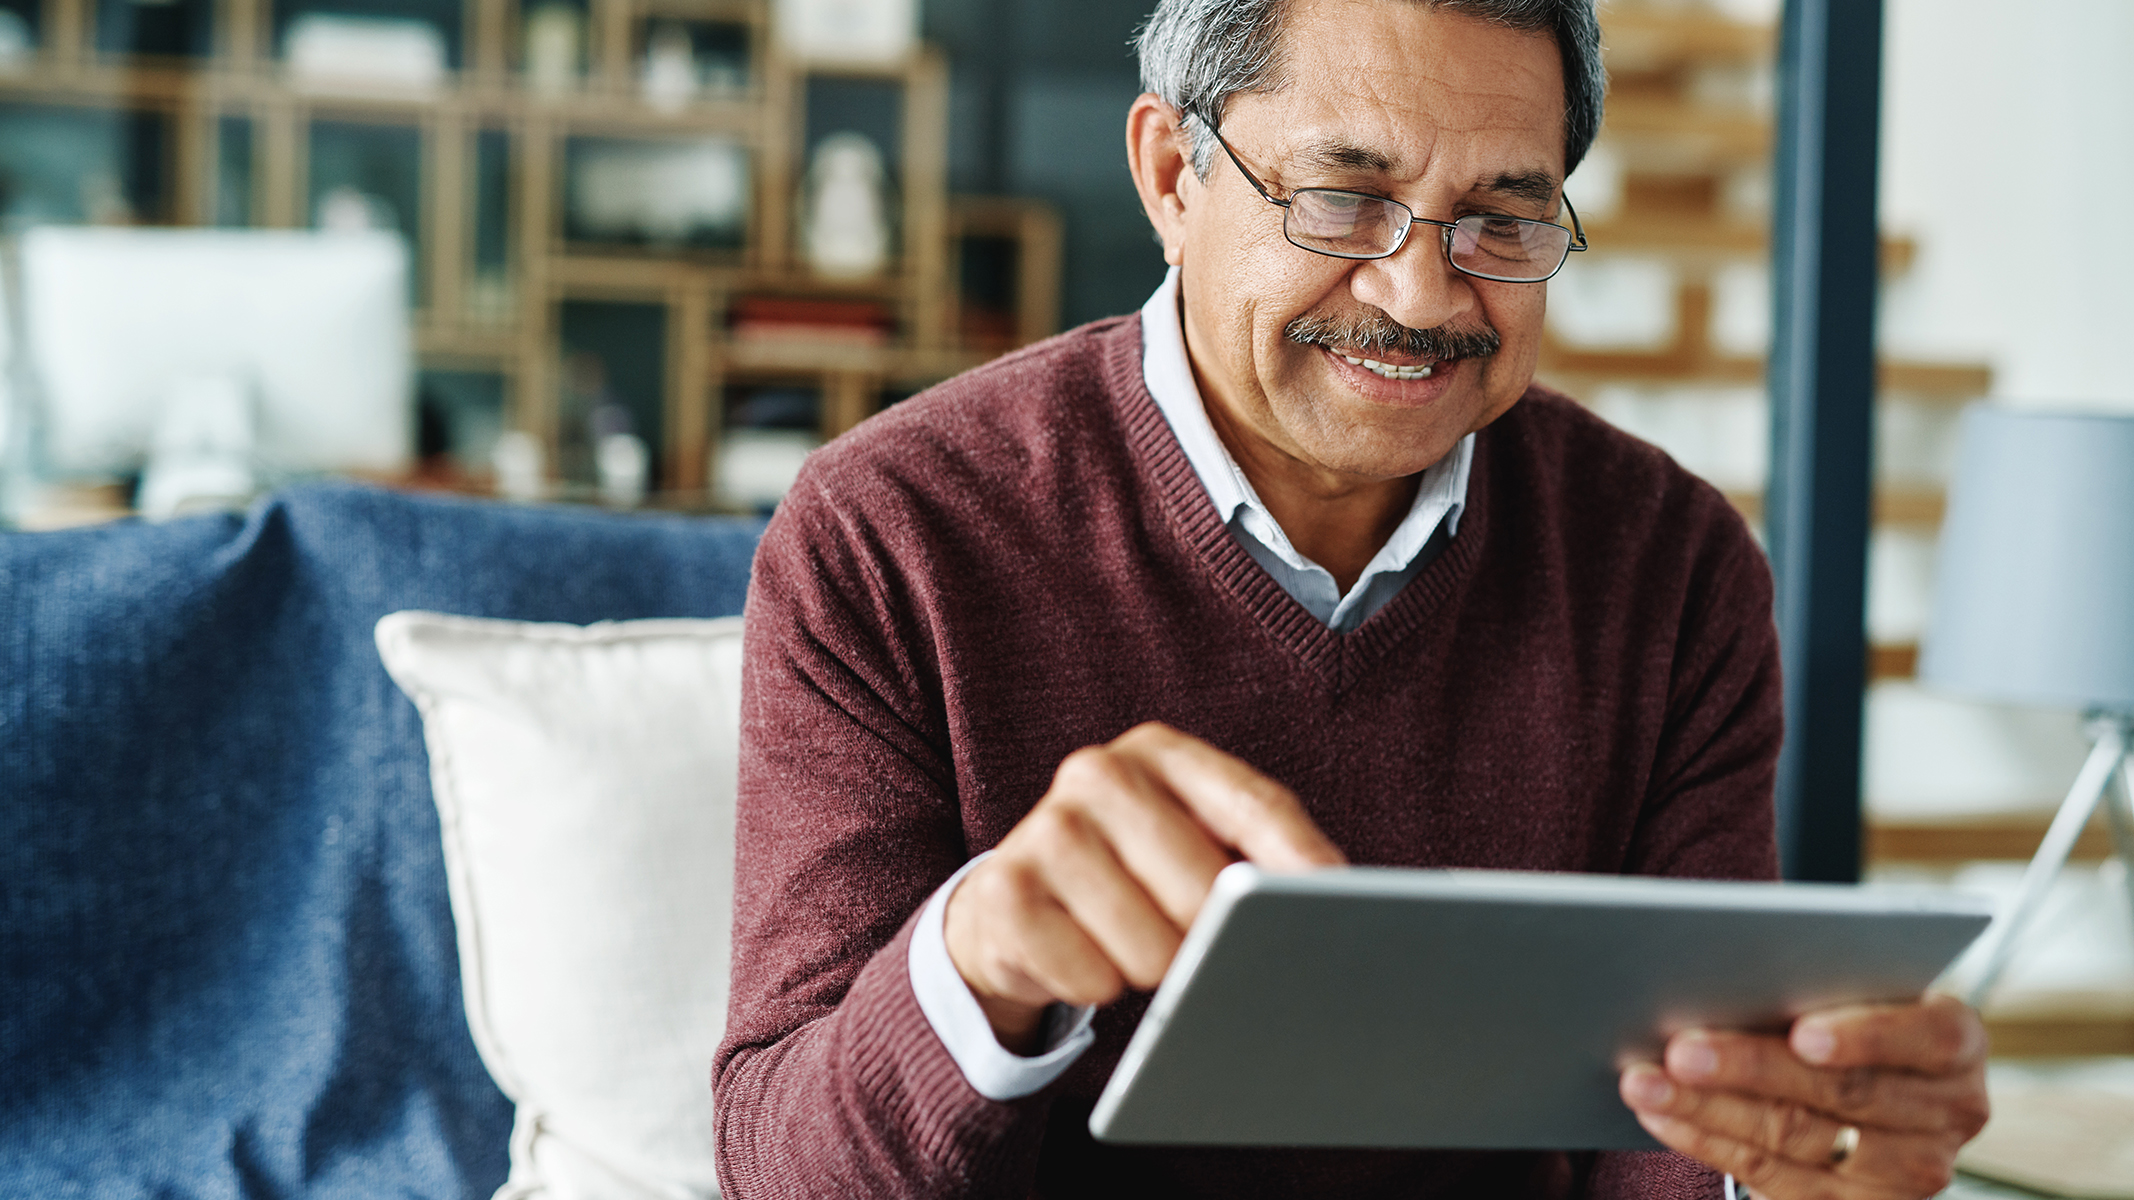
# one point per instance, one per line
(1390, 371)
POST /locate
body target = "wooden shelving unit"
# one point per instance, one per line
(1683, 143)
(504, 319)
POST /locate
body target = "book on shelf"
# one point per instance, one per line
(786, 319)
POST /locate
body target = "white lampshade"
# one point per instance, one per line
(2034, 600)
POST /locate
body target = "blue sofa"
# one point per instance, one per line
(227, 964)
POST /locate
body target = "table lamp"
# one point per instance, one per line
(2034, 604)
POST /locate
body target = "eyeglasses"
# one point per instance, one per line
(1358, 225)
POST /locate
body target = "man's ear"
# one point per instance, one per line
(1156, 155)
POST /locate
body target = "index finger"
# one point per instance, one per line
(1243, 808)
(1939, 1035)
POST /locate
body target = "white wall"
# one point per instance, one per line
(2008, 154)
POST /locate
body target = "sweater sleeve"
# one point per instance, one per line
(1652, 1175)
(829, 1080)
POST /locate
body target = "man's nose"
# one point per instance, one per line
(1415, 285)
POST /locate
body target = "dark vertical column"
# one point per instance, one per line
(1822, 375)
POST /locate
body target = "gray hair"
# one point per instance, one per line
(1196, 54)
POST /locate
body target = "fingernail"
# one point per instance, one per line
(1648, 1088)
(1693, 1057)
(1659, 1126)
(1814, 1042)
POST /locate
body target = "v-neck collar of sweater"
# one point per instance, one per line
(1342, 657)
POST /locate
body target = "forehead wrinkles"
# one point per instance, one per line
(1329, 144)
(1396, 76)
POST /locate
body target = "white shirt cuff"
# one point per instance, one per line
(993, 1070)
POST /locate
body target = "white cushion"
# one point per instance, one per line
(585, 783)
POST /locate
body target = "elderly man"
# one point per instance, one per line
(1297, 565)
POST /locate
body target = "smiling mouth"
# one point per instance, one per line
(1390, 370)
(1355, 338)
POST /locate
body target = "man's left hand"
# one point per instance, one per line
(1908, 1081)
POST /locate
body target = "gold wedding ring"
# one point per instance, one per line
(1845, 1145)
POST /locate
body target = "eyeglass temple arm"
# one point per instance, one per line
(1242, 169)
(1578, 229)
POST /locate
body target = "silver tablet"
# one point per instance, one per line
(1372, 1006)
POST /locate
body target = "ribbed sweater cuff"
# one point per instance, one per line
(868, 1101)
(896, 1054)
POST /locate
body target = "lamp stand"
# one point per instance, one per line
(2114, 733)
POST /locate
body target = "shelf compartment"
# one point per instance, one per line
(831, 187)
(236, 179)
(461, 414)
(682, 62)
(664, 194)
(613, 380)
(361, 174)
(446, 17)
(75, 166)
(491, 291)
(160, 29)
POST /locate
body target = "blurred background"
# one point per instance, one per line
(651, 252)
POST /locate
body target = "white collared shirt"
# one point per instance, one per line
(992, 1070)
(1440, 498)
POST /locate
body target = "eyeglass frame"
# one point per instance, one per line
(1578, 229)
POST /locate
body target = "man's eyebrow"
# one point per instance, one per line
(1538, 186)
(1342, 156)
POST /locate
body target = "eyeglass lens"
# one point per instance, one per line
(1353, 225)
(1344, 222)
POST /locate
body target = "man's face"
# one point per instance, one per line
(1448, 115)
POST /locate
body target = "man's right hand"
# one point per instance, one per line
(1093, 891)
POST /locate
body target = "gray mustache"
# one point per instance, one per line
(1378, 331)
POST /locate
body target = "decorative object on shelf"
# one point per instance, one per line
(668, 79)
(659, 193)
(2034, 604)
(521, 463)
(344, 209)
(845, 205)
(330, 52)
(555, 44)
(756, 467)
(623, 464)
(686, 60)
(103, 200)
(854, 32)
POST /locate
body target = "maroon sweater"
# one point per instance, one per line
(1021, 562)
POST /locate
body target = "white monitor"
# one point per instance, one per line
(313, 327)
